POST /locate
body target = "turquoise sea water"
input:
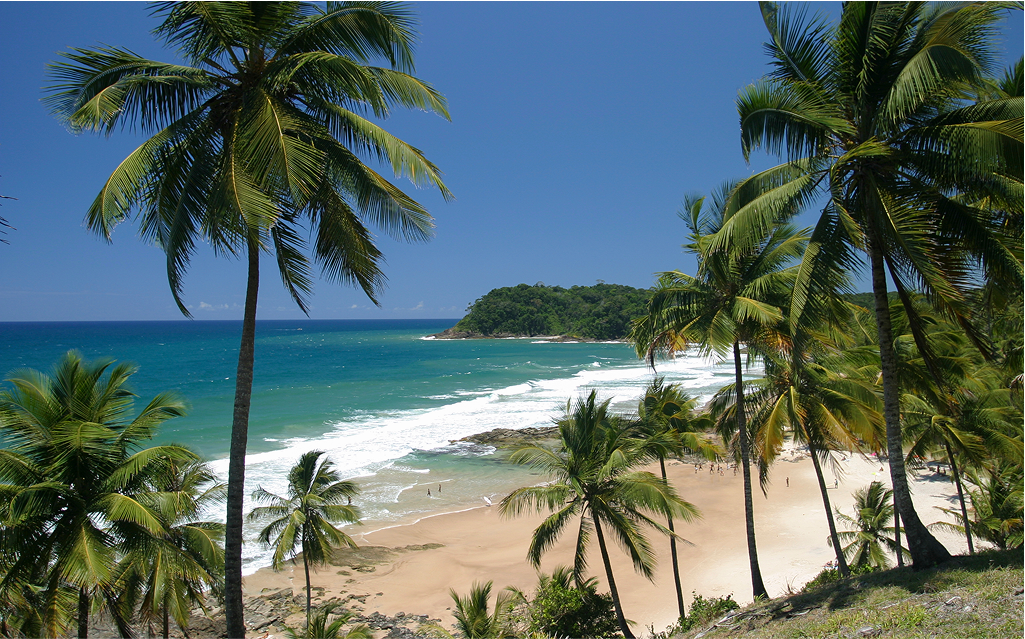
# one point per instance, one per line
(380, 397)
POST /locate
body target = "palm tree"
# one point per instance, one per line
(872, 113)
(256, 141)
(70, 475)
(593, 477)
(668, 425)
(870, 535)
(303, 520)
(318, 627)
(823, 398)
(171, 572)
(997, 505)
(473, 618)
(736, 294)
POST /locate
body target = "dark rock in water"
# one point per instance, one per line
(509, 438)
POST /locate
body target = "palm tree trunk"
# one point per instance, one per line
(83, 614)
(841, 561)
(237, 454)
(612, 582)
(896, 532)
(960, 497)
(757, 587)
(306, 568)
(925, 550)
(167, 620)
(672, 548)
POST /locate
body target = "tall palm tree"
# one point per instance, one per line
(70, 475)
(170, 573)
(256, 141)
(668, 425)
(304, 519)
(870, 536)
(593, 478)
(873, 114)
(736, 294)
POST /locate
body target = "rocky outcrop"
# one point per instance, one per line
(509, 438)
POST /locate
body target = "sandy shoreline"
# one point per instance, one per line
(410, 567)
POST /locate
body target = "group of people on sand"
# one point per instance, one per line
(712, 468)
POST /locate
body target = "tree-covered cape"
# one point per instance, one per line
(601, 312)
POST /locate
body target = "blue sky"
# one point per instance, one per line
(577, 129)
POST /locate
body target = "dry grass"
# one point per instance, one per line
(976, 597)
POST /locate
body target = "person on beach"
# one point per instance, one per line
(788, 482)
(428, 492)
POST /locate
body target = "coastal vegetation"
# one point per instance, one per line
(599, 312)
(894, 130)
(592, 477)
(255, 145)
(734, 298)
(91, 518)
(876, 115)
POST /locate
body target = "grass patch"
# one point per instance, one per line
(971, 597)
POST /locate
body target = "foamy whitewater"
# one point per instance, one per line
(383, 400)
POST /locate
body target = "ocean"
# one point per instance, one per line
(383, 399)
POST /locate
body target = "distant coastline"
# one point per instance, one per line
(453, 333)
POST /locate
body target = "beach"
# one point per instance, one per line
(408, 567)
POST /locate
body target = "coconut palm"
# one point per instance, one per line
(473, 618)
(303, 520)
(997, 505)
(823, 397)
(592, 477)
(870, 536)
(256, 141)
(169, 574)
(872, 113)
(319, 628)
(736, 294)
(70, 475)
(669, 424)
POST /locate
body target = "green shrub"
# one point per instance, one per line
(702, 611)
(832, 576)
(559, 609)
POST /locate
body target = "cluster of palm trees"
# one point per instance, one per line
(595, 483)
(893, 127)
(90, 518)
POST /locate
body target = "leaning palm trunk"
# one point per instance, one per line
(960, 497)
(620, 618)
(925, 550)
(237, 455)
(841, 561)
(672, 548)
(757, 587)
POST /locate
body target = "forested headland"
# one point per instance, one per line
(599, 312)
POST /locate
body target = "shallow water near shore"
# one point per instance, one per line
(380, 397)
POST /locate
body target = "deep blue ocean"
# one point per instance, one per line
(382, 398)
